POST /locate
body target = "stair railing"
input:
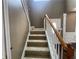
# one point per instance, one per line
(68, 48)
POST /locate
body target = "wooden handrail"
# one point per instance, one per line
(69, 49)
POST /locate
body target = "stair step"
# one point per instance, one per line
(38, 29)
(38, 39)
(37, 49)
(35, 58)
(37, 36)
(37, 52)
(37, 32)
(37, 43)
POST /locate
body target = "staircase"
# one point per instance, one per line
(36, 46)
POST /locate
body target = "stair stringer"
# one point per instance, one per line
(22, 57)
(52, 51)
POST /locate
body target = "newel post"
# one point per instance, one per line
(70, 52)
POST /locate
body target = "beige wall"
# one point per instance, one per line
(18, 27)
(71, 17)
(37, 10)
(71, 4)
(3, 43)
(71, 22)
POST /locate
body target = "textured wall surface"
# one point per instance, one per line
(18, 27)
(71, 4)
(71, 18)
(71, 22)
(37, 10)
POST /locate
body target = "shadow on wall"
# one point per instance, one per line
(37, 10)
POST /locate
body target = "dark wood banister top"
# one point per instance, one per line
(60, 38)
